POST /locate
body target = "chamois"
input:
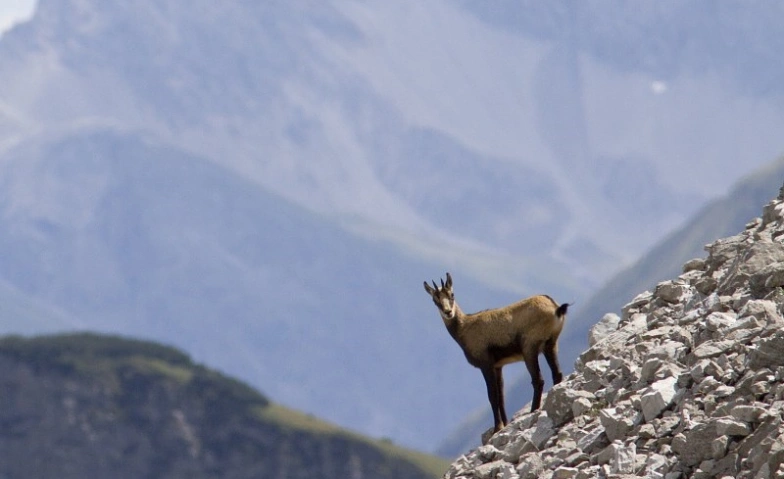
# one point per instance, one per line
(493, 338)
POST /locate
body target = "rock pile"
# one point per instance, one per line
(687, 383)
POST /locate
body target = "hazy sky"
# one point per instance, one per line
(14, 11)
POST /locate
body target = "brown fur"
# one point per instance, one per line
(493, 338)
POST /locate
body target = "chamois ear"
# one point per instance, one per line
(429, 290)
(448, 280)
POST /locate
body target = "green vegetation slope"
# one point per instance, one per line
(85, 405)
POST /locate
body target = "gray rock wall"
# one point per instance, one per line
(689, 384)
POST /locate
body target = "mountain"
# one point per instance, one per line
(721, 217)
(688, 383)
(126, 235)
(86, 405)
(267, 185)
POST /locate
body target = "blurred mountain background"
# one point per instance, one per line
(265, 185)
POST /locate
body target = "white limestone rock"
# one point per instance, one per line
(672, 292)
(544, 430)
(617, 424)
(560, 400)
(732, 427)
(658, 397)
(750, 413)
(531, 466)
(602, 329)
(769, 352)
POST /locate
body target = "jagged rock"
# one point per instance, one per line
(565, 472)
(769, 352)
(671, 292)
(531, 466)
(717, 321)
(706, 285)
(495, 470)
(594, 440)
(619, 456)
(576, 458)
(689, 383)
(656, 466)
(753, 259)
(624, 459)
(616, 424)
(719, 447)
(559, 401)
(650, 368)
(516, 448)
(695, 264)
(749, 414)
(696, 444)
(710, 349)
(603, 328)
(581, 406)
(646, 431)
(731, 427)
(544, 430)
(764, 310)
(488, 435)
(658, 397)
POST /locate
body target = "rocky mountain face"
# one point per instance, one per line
(721, 217)
(76, 406)
(687, 383)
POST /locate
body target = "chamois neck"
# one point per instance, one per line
(453, 324)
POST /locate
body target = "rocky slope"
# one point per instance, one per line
(722, 217)
(688, 382)
(86, 405)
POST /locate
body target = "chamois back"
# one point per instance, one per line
(530, 321)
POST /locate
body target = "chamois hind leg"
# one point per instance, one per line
(551, 355)
(492, 394)
(499, 376)
(531, 355)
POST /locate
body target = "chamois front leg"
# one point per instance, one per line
(499, 375)
(551, 355)
(488, 372)
(531, 355)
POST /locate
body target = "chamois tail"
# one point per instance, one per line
(561, 311)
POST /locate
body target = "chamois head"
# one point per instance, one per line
(443, 297)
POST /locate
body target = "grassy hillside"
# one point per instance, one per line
(86, 405)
